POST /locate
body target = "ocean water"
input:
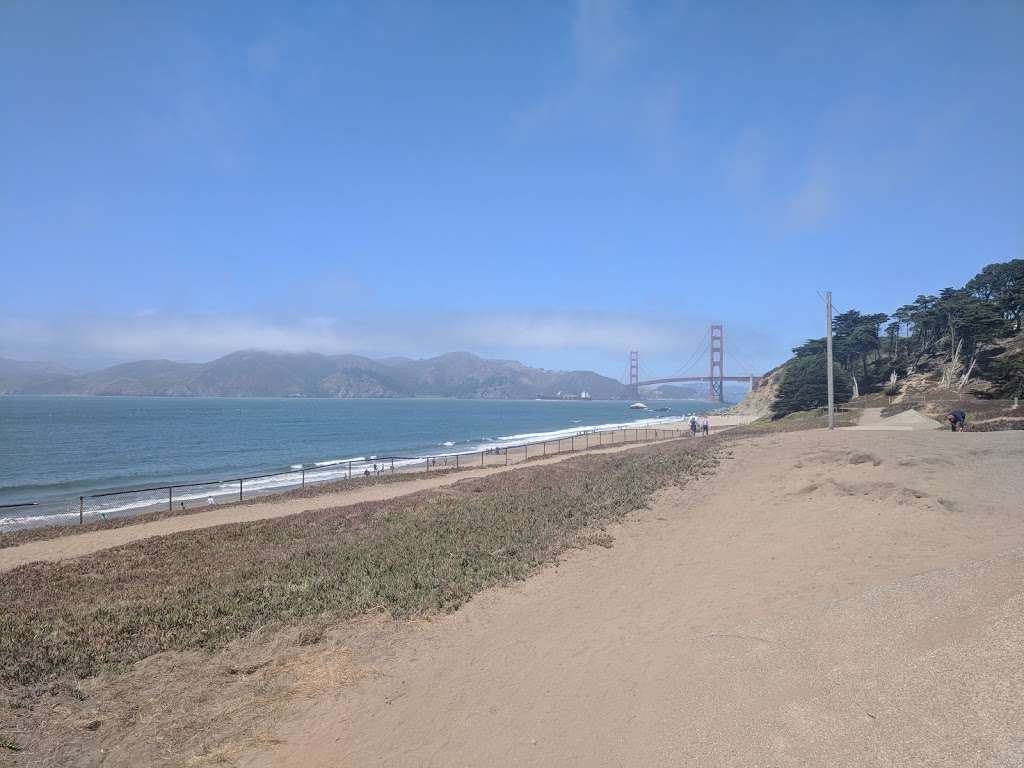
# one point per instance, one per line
(53, 449)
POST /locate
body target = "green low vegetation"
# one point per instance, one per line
(415, 555)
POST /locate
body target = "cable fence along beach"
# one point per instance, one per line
(182, 497)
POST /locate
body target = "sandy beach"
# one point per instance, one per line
(819, 599)
(841, 599)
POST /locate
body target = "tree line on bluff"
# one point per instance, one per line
(960, 335)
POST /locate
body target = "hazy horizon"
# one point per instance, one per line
(383, 359)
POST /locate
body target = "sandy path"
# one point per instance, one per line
(69, 546)
(840, 599)
(870, 417)
(908, 421)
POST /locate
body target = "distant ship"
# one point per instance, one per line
(584, 395)
(638, 407)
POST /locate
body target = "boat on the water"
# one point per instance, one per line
(638, 407)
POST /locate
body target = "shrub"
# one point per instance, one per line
(1007, 373)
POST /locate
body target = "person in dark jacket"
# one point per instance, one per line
(957, 420)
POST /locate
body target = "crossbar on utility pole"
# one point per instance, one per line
(828, 359)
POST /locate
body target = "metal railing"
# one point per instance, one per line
(103, 506)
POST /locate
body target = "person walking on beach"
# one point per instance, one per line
(693, 426)
(705, 426)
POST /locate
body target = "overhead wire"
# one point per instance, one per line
(835, 309)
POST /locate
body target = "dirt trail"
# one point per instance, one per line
(908, 421)
(840, 599)
(76, 545)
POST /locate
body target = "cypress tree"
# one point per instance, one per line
(804, 386)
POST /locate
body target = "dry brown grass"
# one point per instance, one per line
(995, 425)
(794, 422)
(977, 410)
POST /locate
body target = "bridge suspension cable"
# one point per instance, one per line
(744, 366)
(695, 358)
(692, 361)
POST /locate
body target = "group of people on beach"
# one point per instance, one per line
(704, 424)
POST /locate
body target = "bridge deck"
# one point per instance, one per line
(703, 379)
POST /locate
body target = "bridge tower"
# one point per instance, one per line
(716, 388)
(634, 373)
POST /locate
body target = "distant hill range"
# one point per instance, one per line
(256, 373)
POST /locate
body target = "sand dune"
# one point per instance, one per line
(840, 599)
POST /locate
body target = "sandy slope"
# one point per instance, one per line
(840, 599)
(908, 421)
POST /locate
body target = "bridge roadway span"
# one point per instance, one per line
(752, 380)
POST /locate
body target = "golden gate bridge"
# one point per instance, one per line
(714, 346)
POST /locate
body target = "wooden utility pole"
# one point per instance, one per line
(828, 359)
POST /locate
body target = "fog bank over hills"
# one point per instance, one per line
(258, 373)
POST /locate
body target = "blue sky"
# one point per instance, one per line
(553, 182)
